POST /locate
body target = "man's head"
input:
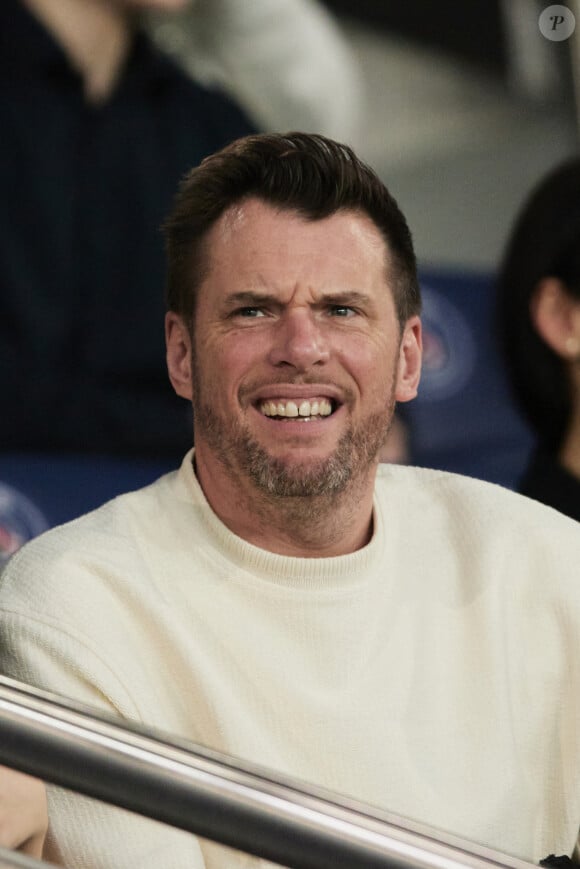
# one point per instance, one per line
(293, 320)
(309, 174)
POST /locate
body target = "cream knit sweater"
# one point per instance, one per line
(434, 673)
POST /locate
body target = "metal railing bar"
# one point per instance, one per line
(13, 860)
(212, 795)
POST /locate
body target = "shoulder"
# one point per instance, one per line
(449, 487)
(80, 557)
(479, 539)
(474, 507)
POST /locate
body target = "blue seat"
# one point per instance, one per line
(39, 490)
(464, 419)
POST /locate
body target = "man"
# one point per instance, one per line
(403, 636)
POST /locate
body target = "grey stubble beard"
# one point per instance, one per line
(300, 495)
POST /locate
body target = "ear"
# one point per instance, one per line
(556, 315)
(178, 354)
(410, 355)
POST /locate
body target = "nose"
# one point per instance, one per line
(299, 341)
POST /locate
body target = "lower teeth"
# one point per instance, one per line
(296, 418)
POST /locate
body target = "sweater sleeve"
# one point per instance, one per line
(84, 833)
(54, 658)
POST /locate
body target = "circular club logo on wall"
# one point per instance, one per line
(20, 521)
(448, 348)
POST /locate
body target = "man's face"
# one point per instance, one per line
(297, 355)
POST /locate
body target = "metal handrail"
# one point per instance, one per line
(12, 860)
(213, 795)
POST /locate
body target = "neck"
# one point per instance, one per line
(94, 34)
(570, 451)
(310, 527)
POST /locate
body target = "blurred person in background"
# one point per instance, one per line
(97, 128)
(288, 62)
(23, 815)
(539, 322)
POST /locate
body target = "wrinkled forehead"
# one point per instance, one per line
(258, 221)
(255, 246)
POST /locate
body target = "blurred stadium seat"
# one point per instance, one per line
(464, 419)
(39, 490)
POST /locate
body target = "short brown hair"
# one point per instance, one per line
(306, 173)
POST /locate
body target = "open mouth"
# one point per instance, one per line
(301, 410)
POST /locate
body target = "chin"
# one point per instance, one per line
(295, 476)
(297, 459)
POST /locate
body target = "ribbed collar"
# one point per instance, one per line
(312, 574)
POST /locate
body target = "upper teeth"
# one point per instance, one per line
(296, 408)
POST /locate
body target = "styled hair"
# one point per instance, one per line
(545, 242)
(305, 173)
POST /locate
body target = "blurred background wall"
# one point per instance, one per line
(464, 105)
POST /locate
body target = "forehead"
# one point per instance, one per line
(254, 235)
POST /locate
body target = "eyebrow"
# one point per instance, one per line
(348, 297)
(251, 298)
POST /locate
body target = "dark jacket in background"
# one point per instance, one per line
(83, 191)
(547, 481)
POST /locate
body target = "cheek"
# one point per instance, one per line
(372, 364)
(227, 363)
(240, 359)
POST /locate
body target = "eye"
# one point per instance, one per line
(248, 313)
(342, 311)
